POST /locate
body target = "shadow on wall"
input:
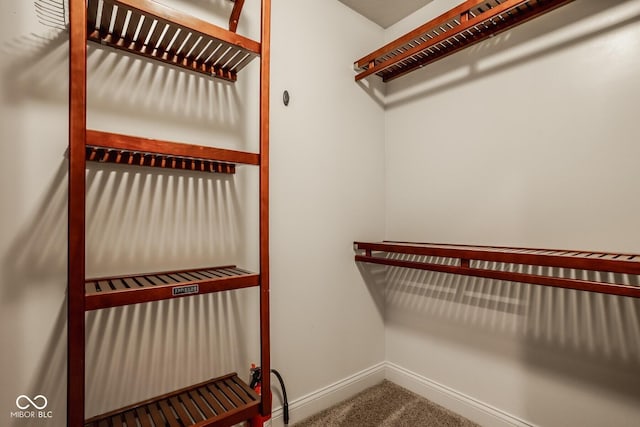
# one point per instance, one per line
(52, 13)
(477, 61)
(140, 351)
(36, 64)
(124, 84)
(127, 84)
(50, 378)
(589, 337)
(37, 254)
(136, 352)
(139, 218)
(142, 219)
(375, 277)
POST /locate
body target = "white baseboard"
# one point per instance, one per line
(453, 400)
(325, 397)
(468, 407)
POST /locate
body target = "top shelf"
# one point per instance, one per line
(466, 258)
(454, 30)
(152, 30)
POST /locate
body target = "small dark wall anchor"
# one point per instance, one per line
(285, 97)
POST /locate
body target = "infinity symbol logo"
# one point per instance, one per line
(33, 403)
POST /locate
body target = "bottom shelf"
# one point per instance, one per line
(223, 401)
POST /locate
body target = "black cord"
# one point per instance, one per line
(285, 404)
(256, 378)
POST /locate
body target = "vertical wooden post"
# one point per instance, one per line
(76, 212)
(265, 340)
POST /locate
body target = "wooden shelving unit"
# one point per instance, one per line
(152, 30)
(226, 399)
(465, 257)
(454, 30)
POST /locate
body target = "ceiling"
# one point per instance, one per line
(385, 12)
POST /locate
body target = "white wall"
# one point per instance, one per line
(527, 139)
(33, 211)
(327, 177)
(326, 163)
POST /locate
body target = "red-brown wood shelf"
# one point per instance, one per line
(108, 292)
(136, 158)
(222, 401)
(465, 255)
(136, 151)
(152, 30)
(454, 30)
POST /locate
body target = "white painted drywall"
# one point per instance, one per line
(327, 180)
(327, 161)
(528, 139)
(33, 212)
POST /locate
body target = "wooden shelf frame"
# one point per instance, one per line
(222, 401)
(176, 149)
(200, 47)
(465, 255)
(136, 151)
(137, 158)
(454, 30)
(106, 292)
(157, 32)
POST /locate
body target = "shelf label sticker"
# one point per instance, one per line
(178, 291)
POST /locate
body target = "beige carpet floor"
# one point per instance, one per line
(386, 405)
